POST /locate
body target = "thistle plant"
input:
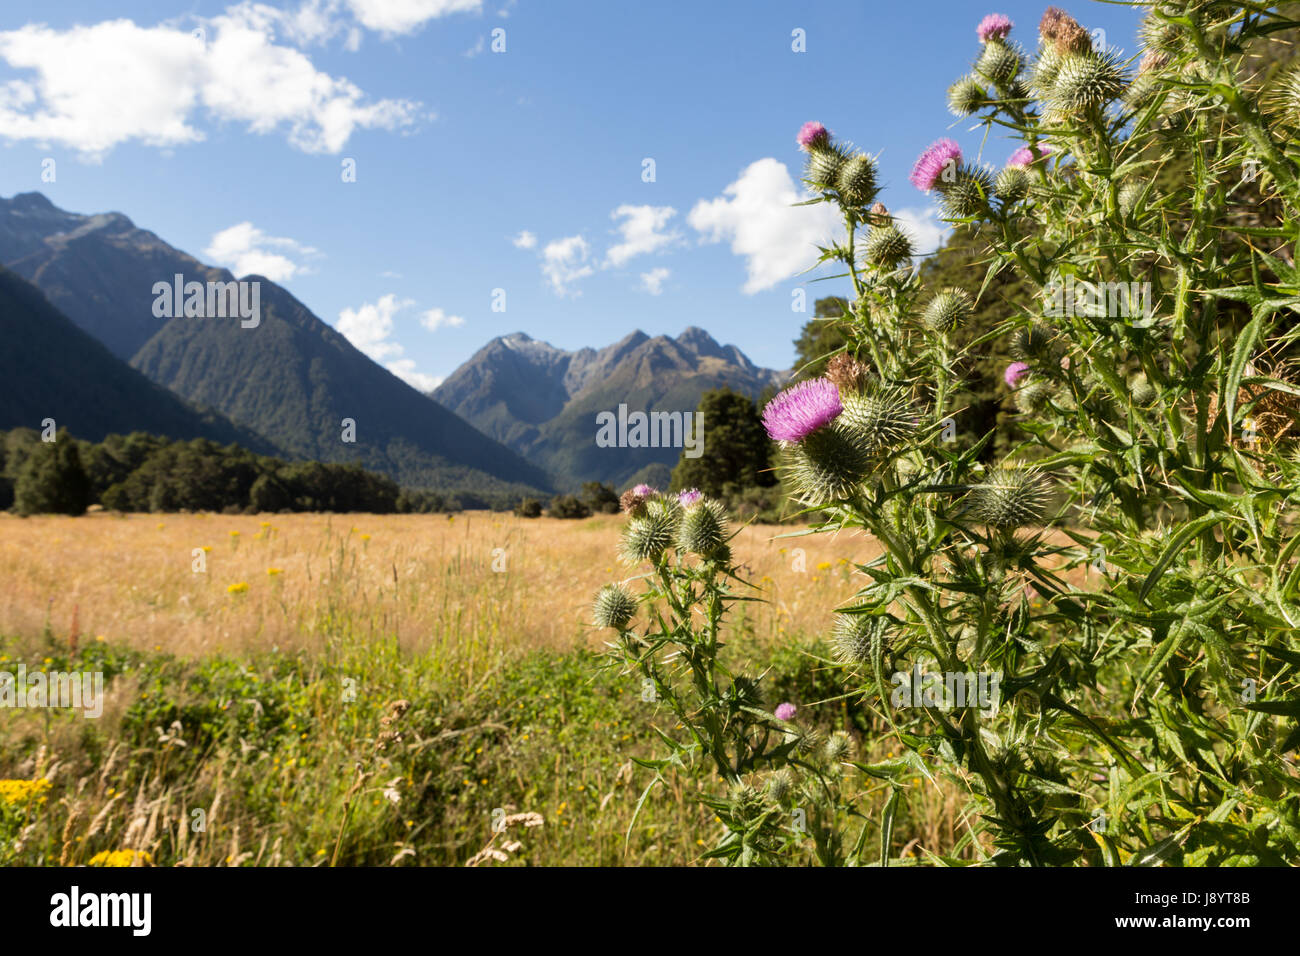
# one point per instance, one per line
(775, 786)
(1128, 575)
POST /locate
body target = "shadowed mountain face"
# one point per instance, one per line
(543, 402)
(98, 270)
(52, 369)
(291, 378)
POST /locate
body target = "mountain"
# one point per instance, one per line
(543, 402)
(292, 378)
(298, 379)
(97, 270)
(62, 373)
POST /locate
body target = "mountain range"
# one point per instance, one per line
(292, 379)
(520, 417)
(543, 402)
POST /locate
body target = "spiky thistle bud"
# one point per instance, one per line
(646, 538)
(1128, 197)
(856, 181)
(1141, 390)
(613, 607)
(838, 747)
(858, 638)
(967, 97)
(703, 528)
(1283, 97)
(807, 741)
(967, 197)
(1087, 81)
(879, 421)
(1012, 185)
(1035, 342)
(827, 466)
(999, 63)
(1010, 497)
(1032, 397)
(879, 214)
(1161, 36)
(1147, 82)
(780, 784)
(1043, 75)
(848, 374)
(887, 247)
(746, 691)
(948, 310)
(824, 164)
(745, 800)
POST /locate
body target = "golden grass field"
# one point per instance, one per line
(491, 580)
(232, 702)
(227, 689)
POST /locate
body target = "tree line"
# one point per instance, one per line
(140, 472)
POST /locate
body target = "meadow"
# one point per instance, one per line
(361, 689)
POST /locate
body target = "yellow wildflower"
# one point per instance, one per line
(23, 792)
(119, 858)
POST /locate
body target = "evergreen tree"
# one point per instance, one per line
(600, 498)
(52, 480)
(737, 451)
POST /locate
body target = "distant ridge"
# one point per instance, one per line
(542, 401)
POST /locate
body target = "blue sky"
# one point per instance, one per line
(225, 128)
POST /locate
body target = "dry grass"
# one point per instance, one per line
(414, 578)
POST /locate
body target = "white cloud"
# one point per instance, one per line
(757, 215)
(246, 250)
(525, 240)
(642, 232)
(653, 281)
(565, 261)
(434, 319)
(405, 370)
(370, 325)
(370, 328)
(315, 21)
(94, 87)
(477, 48)
(406, 16)
(925, 227)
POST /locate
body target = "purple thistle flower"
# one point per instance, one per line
(813, 134)
(688, 498)
(1025, 155)
(785, 711)
(643, 491)
(931, 164)
(994, 27)
(799, 411)
(1014, 373)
